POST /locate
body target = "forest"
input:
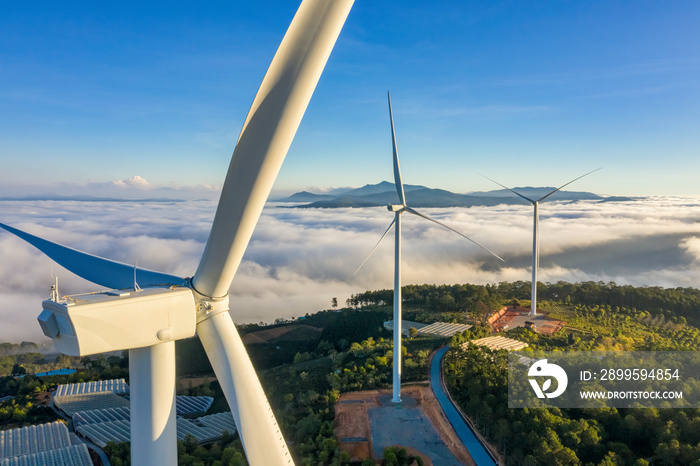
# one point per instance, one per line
(473, 301)
(351, 351)
(477, 380)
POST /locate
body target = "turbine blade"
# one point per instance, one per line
(415, 212)
(266, 136)
(567, 184)
(511, 190)
(397, 170)
(376, 245)
(104, 272)
(260, 435)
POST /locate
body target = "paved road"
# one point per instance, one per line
(476, 449)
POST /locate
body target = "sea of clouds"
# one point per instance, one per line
(299, 259)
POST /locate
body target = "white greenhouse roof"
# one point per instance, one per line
(75, 455)
(405, 325)
(118, 386)
(193, 404)
(184, 405)
(204, 429)
(443, 329)
(496, 343)
(96, 416)
(71, 404)
(33, 439)
(102, 433)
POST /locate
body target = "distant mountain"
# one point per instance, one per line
(537, 193)
(305, 196)
(339, 202)
(384, 193)
(381, 188)
(367, 190)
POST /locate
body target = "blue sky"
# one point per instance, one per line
(529, 93)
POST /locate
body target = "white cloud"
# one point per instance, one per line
(135, 182)
(134, 187)
(299, 259)
(692, 246)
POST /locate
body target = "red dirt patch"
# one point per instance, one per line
(511, 317)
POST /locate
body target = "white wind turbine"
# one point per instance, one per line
(398, 210)
(536, 233)
(165, 308)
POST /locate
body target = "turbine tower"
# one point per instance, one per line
(398, 210)
(536, 233)
(148, 319)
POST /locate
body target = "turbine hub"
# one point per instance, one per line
(395, 208)
(207, 307)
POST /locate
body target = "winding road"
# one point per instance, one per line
(478, 452)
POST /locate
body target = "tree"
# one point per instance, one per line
(334, 303)
(390, 457)
(412, 332)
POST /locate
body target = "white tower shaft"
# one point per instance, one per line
(153, 424)
(535, 257)
(396, 384)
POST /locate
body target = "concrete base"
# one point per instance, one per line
(406, 401)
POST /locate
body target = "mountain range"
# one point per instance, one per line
(384, 193)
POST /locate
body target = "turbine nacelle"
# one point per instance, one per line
(115, 320)
(396, 208)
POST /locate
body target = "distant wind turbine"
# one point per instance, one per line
(536, 232)
(398, 210)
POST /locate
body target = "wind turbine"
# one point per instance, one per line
(536, 233)
(167, 308)
(398, 210)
